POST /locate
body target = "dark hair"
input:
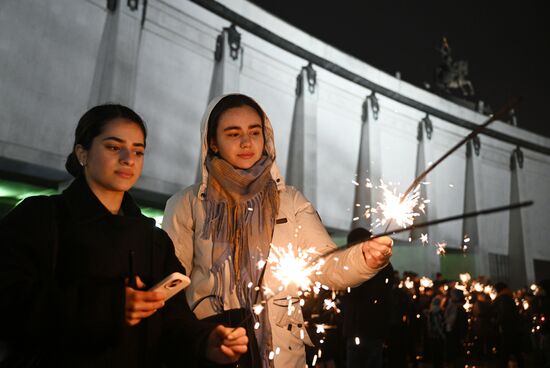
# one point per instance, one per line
(226, 103)
(359, 233)
(499, 286)
(92, 123)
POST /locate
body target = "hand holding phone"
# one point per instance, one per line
(172, 284)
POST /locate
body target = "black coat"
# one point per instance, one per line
(64, 260)
(367, 307)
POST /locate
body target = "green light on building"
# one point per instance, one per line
(11, 193)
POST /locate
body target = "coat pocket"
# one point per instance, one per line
(288, 316)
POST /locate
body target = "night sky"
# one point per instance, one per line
(506, 44)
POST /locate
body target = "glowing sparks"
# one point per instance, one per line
(294, 266)
(478, 287)
(465, 277)
(535, 289)
(426, 282)
(398, 208)
(330, 304)
(440, 248)
(424, 238)
(468, 306)
(258, 308)
(261, 264)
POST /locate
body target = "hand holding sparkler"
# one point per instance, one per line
(225, 345)
(377, 252)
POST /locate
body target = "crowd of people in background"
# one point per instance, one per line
(413, 321)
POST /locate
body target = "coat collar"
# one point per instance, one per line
(85, 206)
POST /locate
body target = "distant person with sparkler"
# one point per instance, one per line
(366, 310)
(223, 226)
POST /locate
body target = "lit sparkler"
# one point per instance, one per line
(398, 207)
(426, 282)
(499, 114)
(465, 277)
(440, 246)
(294, 266)
(478, 287)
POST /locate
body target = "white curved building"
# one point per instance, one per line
(60, 57)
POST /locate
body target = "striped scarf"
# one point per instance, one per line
(241, 207)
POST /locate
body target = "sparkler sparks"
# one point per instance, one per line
(424, 238)
(465, 277)
(440, 248)
(258, 308)
(426, 282)
(398, 208)
(294, 266)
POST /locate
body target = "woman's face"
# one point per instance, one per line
(239, 137)
(115, 159)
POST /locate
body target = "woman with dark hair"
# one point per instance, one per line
(74, 266)
(222, 229)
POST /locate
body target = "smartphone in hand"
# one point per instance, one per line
(172, 284)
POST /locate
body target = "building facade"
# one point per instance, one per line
(333, 132)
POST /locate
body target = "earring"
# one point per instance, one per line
(81, 163)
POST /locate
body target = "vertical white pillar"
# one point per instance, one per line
(228, 57)
(302, 156)
(117, 59)
(470, 226)
(425, 130)
(368, 163)
(521, 264)
(227, 63)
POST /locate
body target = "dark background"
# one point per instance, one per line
(506, 44)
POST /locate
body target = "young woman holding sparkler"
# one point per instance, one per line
(72, 265)
(223, 226)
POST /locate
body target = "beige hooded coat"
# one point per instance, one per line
(298, 223)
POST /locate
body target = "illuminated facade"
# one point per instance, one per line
(61, 57)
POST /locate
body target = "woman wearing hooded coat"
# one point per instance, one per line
(223, 226)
